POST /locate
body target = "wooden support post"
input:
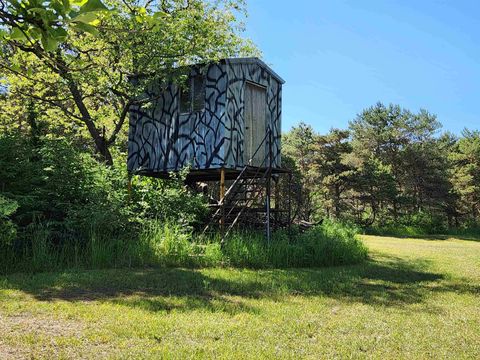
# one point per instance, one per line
(222, 195)
(222, 183)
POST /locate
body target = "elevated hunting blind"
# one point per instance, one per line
(217, 121)
(224, 124)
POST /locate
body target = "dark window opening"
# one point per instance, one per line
(192, 95)
(198, 93)
(185, 96)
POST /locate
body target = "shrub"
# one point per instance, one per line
(8, 230)
(324, 245)
(166, 244)
(69, 204)
(171, 244)
(471, 229)
(413, 225)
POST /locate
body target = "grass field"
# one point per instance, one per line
(414, 298)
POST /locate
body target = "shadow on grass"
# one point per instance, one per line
(387, 281)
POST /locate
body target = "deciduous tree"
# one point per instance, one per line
(79, 56)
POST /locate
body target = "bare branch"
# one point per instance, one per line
(50, 102)
(120, 123)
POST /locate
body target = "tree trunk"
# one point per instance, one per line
(100, 140)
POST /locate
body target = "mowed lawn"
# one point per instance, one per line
(414, 298)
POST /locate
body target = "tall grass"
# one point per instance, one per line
(469, 231)
(168, 244)
(397, 230)
(418, 231)
(326, 245)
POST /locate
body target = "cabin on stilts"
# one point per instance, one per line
(225, 126)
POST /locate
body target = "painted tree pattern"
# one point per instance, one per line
(161, 139)
(238, 73)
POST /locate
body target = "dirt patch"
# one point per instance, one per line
(27, 336)
(11, 352)
(22, 323)
(13, 328)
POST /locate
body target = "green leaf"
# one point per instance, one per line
(16, 67)
(85, 17)
(78, 2)
(66, 5)
(17, 34)
(49, 43)
(35, 33)
(7, 206)
(93, 5)
(59, 7)
(59, 34)
(40, 11)
(161, 15)
(82, 27)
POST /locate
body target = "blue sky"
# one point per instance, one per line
(339, 57)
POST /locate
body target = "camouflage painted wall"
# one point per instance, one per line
(161, 139)
(238, 72)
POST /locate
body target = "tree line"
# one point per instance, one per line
(392, 168)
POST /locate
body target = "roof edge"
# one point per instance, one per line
(255, 60)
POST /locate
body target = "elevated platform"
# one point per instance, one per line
(214, 174)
